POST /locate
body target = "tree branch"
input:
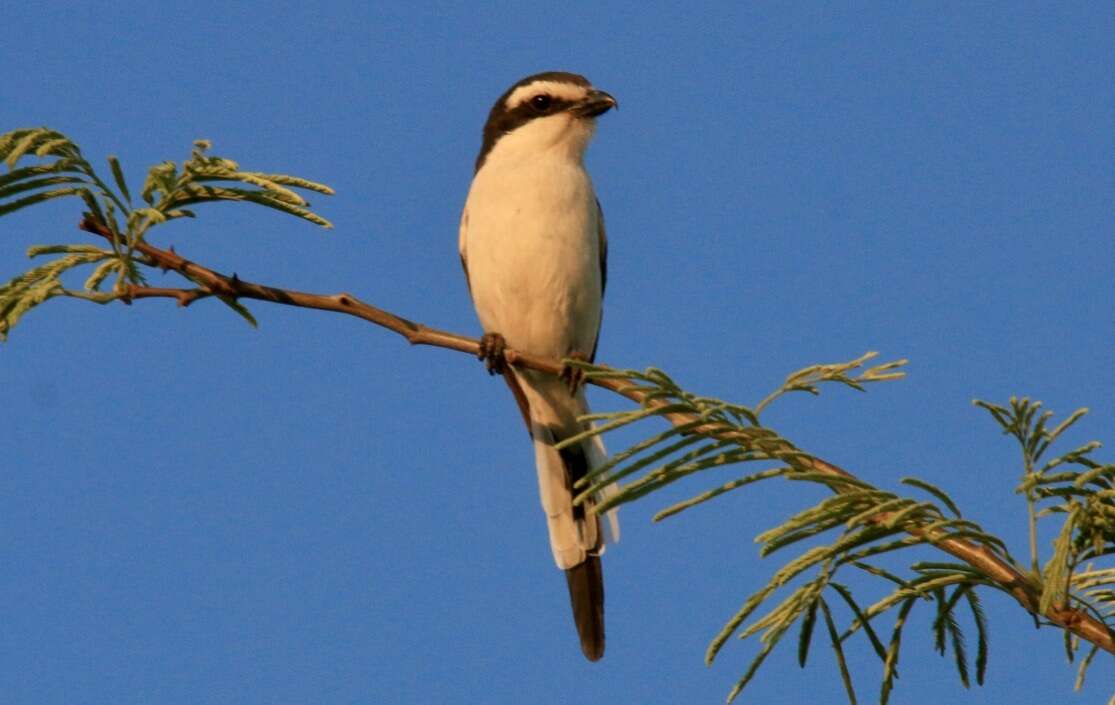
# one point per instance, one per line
(212, 283)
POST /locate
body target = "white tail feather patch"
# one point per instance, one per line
(554, 410)
(571, 539)
(610, 520)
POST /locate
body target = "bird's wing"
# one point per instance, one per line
(602, 237)
(462, 232)
(508, 375)
(602, 248)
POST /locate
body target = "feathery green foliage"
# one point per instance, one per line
(857, 523)
(62, 171)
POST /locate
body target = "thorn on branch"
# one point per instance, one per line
(234, 284)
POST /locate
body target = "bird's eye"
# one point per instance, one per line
(541, 103)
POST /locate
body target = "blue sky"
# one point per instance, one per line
(195, 511)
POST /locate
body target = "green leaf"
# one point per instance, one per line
(614, 421)
(957, 637)
(274, 190)
(981, 631)
(716, 492)
(599, 476)
(298, 182)
(13, 310)
(842, 504)
(805, 636)
(132, 273)
(240, 309)
(8, 140)
(885, 503)
(947, 615)
(912, 515)
(860, 620)
(674, 471)
(100, 273)
(786, 612)
(26, 291)
(890, 665)
(154, 215)
(838, 649)
(118, 175)
(947, 567)
(58, 167)
(94, 207)
(24, 144)
(751, 670)
(196, 193)
(30, 184)
(933, 490)
(1082, 670)
(52, 147)
(879, 572)
(111, 223)
(793, 532)
(13, 206)
(40, 250)
(749, 606)
(161, 177)
(778, 620)
(1055, 577)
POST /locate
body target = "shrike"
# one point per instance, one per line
(535, 256)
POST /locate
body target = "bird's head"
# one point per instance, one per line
(543, 112)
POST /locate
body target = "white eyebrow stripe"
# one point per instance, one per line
(563, 91)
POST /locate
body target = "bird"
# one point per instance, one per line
(534, 250)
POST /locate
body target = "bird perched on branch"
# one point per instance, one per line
(535, 256)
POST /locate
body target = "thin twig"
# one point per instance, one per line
(185, 296)
(213, 283)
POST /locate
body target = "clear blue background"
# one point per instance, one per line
(193, 511)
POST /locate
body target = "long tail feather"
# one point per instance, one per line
(586, 594)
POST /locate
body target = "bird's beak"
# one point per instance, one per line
(595, 103)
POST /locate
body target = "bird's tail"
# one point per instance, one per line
(586, 594)
(577, 534)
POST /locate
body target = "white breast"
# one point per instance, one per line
(529, 235)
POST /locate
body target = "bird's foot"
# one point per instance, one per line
(492, 348)
(573, 377)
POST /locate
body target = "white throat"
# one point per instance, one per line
(561, 136)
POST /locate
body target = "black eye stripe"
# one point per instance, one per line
(524, 112)
(533, 107)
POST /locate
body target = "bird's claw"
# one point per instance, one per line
(573, 377)
(492, 348)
